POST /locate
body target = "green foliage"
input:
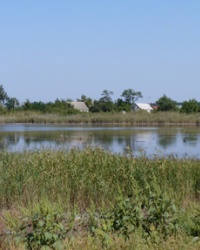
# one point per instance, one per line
(90, 175)
(104, 104)
(122, 105)
(12, 103)
(3, 110)
(166, 104)
(160, 215)
(43, 229)
(129, 118)
(87, 100)
(195, 229)
(27, 105)
(130, 96)
(150, 211)
(3, 95)
(106, 96)
(191, 221)
(191, 106)
(125, 217)
(134, 196)
(61, 107)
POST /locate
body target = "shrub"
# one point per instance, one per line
(44, 229)
(151, 211)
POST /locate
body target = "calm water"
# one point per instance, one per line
(180, 141)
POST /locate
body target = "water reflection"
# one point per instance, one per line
(149, 140)
(166, 138)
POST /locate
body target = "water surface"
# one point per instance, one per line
(181, 142)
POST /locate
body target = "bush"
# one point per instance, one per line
(150, 211)
(44, 229)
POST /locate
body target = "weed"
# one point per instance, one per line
(44, 229)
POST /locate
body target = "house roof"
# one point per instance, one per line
(144, 106)
(79, 105)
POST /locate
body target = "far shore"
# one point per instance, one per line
(112, 119)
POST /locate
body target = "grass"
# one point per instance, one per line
(89, 183)
(103, 118)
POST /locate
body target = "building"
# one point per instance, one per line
(142, 106)
(154, 106)
(81, 106)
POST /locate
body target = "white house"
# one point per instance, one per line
(142, 106)
(81, 106)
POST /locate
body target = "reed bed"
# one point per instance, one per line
(94, 180)
(103, 118)
(91, 177)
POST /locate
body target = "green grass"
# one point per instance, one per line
(90, 176)
(103, 118)
(92, 181)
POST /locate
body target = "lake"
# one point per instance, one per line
(182, 142)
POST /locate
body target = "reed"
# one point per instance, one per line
(103, 118)
(91, 176)
(93, 180)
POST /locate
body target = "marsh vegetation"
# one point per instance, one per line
(142, 117)
(93, 199)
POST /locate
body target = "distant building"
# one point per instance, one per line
(154, 106)
(81, 106)
(142, 106)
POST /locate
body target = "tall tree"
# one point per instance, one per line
(11, 103)
(166, 104)
(191, 106)
(130, 96)
(104, 104)
(106, 96)
(121, 105)
(3, 95)
(27, 105)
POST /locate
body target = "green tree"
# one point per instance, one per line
(11, 103)
(27, 105)
(121, 105)
(130, 96)
(166, 104)
(62, 107)
(3, 95)
(101, 106)
(191, 106)
(104, 104)
(106, 96)
(87, 100)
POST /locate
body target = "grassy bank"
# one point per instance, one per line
(93, 199)
(103, 118)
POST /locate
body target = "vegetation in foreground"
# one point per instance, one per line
(93, 199)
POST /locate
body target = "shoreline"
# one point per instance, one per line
(111, 119)
(107, 123)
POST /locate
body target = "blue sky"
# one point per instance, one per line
(65, 48)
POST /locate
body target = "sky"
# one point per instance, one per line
(65, 48)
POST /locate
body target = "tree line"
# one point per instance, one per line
(104, 104)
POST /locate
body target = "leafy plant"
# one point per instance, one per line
(125, 217)
(160, 212)
(44, 229)
(195, 227)
(151, 211)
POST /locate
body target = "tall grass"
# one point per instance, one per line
(91, 176)
(93, 180)
(103, 118)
